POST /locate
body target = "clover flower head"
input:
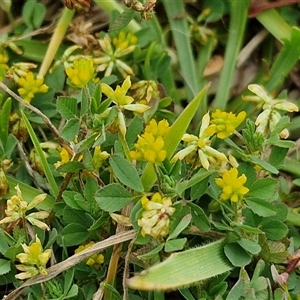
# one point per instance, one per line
(33, 260)
(29, 86)
(270, 116)
(201, 145)
(226, 123)
(17, 209)
(113, 52)
(19, 70)
(3, 65)
(95, 259)
(155, 217)
(145, 90)
(233, 188)
(82, 72)
(150, 145)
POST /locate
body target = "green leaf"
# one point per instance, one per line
(4, 120)
(71, 166)
(38, 15)
(71, 129)
(73, 292)
(264, 188)
(184, 222)
(134, 129)
(71, 215)
(196, 178)
(237, 255)
(74, 234)
(67, 107)
(274, 229)
(10, 145)
(4, 266)
(183, 268)
(126, 173)
(277, 156)
(261, 207)
(237, 291)
(285, 61)
(113, 197)
(265, 165)
(151, 253)
(122, 20)
(68, 279)
(200, 219)
(249, 245)
(175, 245)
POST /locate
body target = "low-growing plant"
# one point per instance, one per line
(126, 174)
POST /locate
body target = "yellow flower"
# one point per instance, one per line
(232, 186)
(201, 145)
(269, 117)
(112, 52)
(123, 101)
(64, 158)
(150, 145)
(226, 123)
(155, 217)
(95, 259)
(3, 65)
(82, 72)
(17, 208)
(33, 260)
(99, 157)
(29, 86)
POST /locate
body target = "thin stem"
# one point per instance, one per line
(56, 40)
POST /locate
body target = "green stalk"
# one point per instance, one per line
(48, 173)
(180, 32)
(57, 37)
(275, 24)
(238, 18)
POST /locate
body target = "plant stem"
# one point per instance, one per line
(56, 40)
(238, 18)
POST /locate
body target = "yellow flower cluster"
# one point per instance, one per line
(155, 217)
(226, 123)
(17, 208)
(29, 86)
(95, 259)
(82, 72)
(232, 186)
(3, 65)
(150, 145)
(33, 260)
